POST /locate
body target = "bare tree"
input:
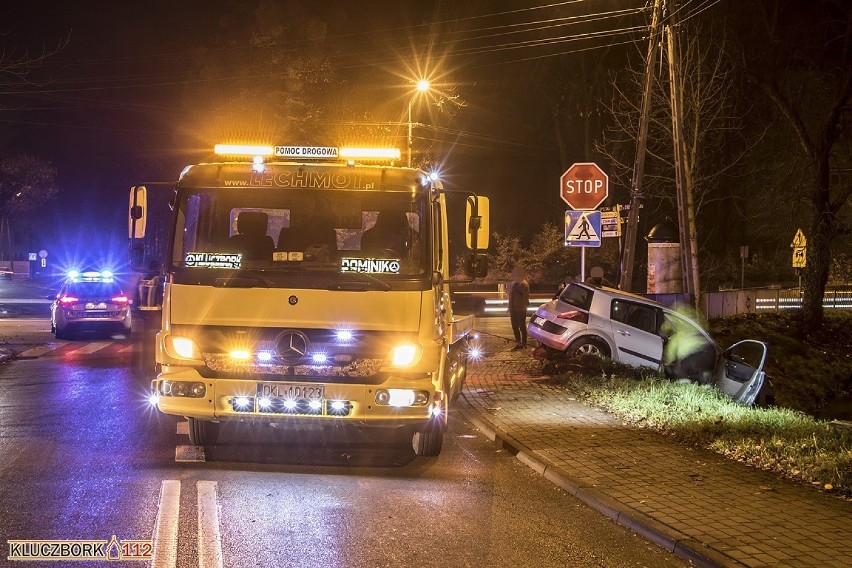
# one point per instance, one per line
(26, 182)
(800, 57)
(712, 143)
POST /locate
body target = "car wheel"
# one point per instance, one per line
(588, 346)
(62, 333)
(202, 432)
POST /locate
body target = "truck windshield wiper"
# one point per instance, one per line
(245, 278)
(362, 279)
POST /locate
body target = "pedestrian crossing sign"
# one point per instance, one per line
(583, 228)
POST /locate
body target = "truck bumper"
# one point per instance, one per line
(239, 400)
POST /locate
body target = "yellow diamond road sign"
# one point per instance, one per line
(800, 250)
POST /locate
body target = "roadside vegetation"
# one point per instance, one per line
(810, 367)
(785, 440)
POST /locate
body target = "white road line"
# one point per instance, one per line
(166, 530)
(39, 351)
(209, 539)
(128, 348)
(90, 348)
(182, 428)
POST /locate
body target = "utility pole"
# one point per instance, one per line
(685, 198)
(630, 237)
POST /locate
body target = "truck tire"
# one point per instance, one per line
(428, 442)
(203, 432)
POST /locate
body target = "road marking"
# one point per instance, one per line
(183, 428)
(37, 351)
(209, 539)
(166, 530)
(90, 348)
(189, 454)
(74, 349)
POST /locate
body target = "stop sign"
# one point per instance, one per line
(584, 186)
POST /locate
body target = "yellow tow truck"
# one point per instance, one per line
(309, 285)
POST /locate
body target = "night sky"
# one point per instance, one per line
(138, 90)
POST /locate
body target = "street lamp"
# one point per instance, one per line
(422, 87)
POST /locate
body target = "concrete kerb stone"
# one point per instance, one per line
(658, 533)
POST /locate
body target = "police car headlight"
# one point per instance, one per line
(182, 348)
(404, 355)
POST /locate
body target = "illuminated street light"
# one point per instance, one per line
(422, 87)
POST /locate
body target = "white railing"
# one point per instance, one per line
(757, 300)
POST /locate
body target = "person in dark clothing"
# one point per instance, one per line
(519, 300)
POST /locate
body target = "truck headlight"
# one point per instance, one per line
(182, 348)
(401, 397)
(404, 355)
(182, 388)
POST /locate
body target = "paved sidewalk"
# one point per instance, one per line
(702, 506)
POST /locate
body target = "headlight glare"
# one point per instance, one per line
(404, 355)
(184, 348)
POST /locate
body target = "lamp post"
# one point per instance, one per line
(422, 87)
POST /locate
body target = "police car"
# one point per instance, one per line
(89, 301)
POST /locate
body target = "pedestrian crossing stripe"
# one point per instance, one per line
(77, 349)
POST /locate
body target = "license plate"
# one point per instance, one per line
(290, 391)
(540, 320)
(94, 306)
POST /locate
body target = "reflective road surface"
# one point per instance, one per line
(84, 457)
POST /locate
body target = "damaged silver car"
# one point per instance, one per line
(640, 332)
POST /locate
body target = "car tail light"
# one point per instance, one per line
(68, 300)
(575, 315)
(122, 299)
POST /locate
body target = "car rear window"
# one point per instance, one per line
(577, 296)
(94, 289)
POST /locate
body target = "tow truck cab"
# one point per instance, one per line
(310, 291)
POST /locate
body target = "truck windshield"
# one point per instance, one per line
(352, 234)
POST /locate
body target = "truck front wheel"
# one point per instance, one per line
(428, 442)
(202, 432)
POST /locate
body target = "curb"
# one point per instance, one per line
(656, 532)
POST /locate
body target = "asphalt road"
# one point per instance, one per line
(84, 457)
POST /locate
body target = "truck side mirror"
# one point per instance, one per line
(136, 219)
(476, 265)
(137, 212)
(476, 223)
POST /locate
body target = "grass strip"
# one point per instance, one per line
(785, 441)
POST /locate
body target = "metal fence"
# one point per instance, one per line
(758, 300)
(716, 304)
